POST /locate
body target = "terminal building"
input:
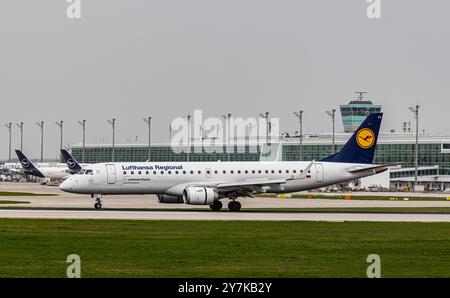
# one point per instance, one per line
(393, 147)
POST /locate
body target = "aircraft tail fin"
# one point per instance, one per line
(27, 165)
(71, 162)
(360, 148)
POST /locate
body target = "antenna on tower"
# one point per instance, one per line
(361, 94)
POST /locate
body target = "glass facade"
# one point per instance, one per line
(404, 154)
(139, 153)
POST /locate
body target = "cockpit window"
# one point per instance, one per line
(89, 172)
(81, 172)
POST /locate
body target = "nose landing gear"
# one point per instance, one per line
(98, 202)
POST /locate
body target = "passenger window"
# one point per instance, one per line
(294, 171)
(154, 172)
(199, 172)
(287, 171)
(273, 171)
(267, 171)
(192, 172)
(169, 172)
(184, 172)
(259, 171)
(224, 171)
(232, 172)
(176, 172)
(139, 172)
(246, 172)
(124, 172)
(146, 172)
(132, 172)
(162, 172)
(239, 171)
(253, 172)
(280, 171)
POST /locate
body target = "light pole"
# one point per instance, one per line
(113, 124)
(20, 126)
(60, 125)
(332, 114)
(266, 116)
(149, 123)
(189, 137)
(299, 115)
(83, 126)
(415, 111)
(227, 134)
(8, 126)
(41, 125)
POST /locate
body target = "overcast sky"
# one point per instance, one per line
(164, 58)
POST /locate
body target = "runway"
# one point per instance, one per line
(221, 216)
(146, 207)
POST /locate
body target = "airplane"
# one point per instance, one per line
(71, 162)
(207, 183)
(55, 172)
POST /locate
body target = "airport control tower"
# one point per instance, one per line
(354, 113)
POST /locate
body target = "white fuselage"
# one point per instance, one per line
(173, 177)
(55, 172)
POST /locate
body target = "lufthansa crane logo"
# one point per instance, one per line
(71, 163)
(25, 163)
(365, 138)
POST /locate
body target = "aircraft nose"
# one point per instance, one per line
(67, 185)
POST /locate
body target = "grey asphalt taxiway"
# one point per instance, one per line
(72, 206)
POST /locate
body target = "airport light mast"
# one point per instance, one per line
(415, 111)
(41, 125)
(227, 133)
(83, 126)
(188, 153)
(20, 126)
(332, 114)
(113, 124)
(299, 115)
(60, 125)
(266, 116)
(149, 123)
(8, 126)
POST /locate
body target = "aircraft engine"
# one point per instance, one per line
(166, 199)
(199, 195)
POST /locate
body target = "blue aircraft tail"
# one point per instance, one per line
(360, 148)
(71, 162)
(27, 165)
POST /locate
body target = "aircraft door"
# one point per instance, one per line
(111, 174)
(319, 172)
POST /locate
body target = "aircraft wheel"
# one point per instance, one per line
(216, 206)
(98, 205)
(234, 206)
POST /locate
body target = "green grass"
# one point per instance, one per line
(360, 197)
(13, 202)
(108, 248)
(23, 194)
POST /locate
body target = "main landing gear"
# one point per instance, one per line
(98, 202)
(216, 206)
(234, 206)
